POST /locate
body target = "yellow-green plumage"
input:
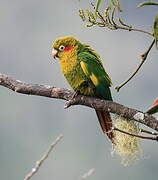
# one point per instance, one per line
(84, 71)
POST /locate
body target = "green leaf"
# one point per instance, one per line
(97, 4)
(116, 3)
(147, 3)
(156, 29)
(113, 2)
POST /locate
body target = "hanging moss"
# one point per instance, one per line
(128, 147)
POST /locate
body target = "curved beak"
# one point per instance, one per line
(54, 53)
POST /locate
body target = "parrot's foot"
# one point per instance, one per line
(68, 104)
(75, 94)
(72, 100)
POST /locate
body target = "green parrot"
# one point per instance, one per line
(84, 71)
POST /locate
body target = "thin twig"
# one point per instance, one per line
(44, 157)
(148, 132)
(147, 3)
(112, 17)
(134, 29)
(88, 173)
(123, 24)
(143, 58)
(135, 135)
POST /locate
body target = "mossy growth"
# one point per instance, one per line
(126, 146)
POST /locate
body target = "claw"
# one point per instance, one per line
(72, 100)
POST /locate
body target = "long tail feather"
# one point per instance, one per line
(105, 123)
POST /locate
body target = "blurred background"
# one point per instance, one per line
(28, 124)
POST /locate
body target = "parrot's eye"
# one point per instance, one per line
(61, 48)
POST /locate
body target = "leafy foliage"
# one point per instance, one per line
(98, 4)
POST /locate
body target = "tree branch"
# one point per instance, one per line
(96, 103)
(43, 158)
(88, 173)
(143, 59)
(155, 138)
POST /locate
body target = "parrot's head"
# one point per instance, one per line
(63, 46)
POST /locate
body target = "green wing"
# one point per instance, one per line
(93, 69)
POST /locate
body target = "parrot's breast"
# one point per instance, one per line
(75, 77)
(68, 61)
(79, 82)
(74, 74)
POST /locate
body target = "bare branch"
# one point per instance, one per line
(44, 157)
(88, 173)
(143, 58)
(130, 28)
(96, 103)
(138, 136)
(148, 132)
(34, 89)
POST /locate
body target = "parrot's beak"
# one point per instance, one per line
(54, 53)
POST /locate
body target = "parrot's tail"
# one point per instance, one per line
(105, 123)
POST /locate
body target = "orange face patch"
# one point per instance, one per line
(68, 48)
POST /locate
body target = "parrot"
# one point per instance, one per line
(84, 71)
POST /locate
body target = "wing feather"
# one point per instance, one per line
(94, 70)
